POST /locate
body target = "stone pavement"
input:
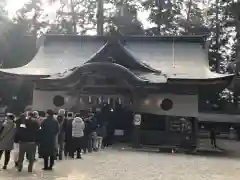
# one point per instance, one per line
(227, 145)
(119, 163)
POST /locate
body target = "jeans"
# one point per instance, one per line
(15, 152)
(7, 156)
(29, 149)
(98, 142)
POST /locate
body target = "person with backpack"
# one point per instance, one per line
(7, 134)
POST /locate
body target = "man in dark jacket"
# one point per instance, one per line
(88, 131)
(48, 135)
(27, 136)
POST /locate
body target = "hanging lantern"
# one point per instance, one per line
(99, 100)
(89, 99)
(81, 101)
(146, 102)
(119, 101)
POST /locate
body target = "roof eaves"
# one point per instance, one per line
(196, 38)
(214, 80)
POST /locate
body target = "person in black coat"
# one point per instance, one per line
(90, 127)
(18, 122)
(68, 149)
(48, 134)
(27, 136)
(87, 136)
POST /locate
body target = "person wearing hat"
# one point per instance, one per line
(7, 134)
(48, 134)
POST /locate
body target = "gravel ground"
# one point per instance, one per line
(120, 163)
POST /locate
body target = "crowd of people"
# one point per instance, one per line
(52, 137)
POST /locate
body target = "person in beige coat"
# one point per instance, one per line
(78, 127)
(7, 134)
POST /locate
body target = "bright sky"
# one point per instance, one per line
(14, 5)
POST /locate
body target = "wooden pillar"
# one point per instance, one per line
(167, 124)
(196, 131)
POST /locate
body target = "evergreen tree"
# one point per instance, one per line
(164, 15)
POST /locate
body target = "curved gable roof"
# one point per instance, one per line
(152, 58)
(60, 53)
(175, 57)
(115, 52)
(67, 52)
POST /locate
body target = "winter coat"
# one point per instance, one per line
(94, 124)
(87, 130)
(68, 131)
(48, 135)
(8, 130)
(18, 122)
(68, 135)
(78, 127)
(62, 128)
(29, 133)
